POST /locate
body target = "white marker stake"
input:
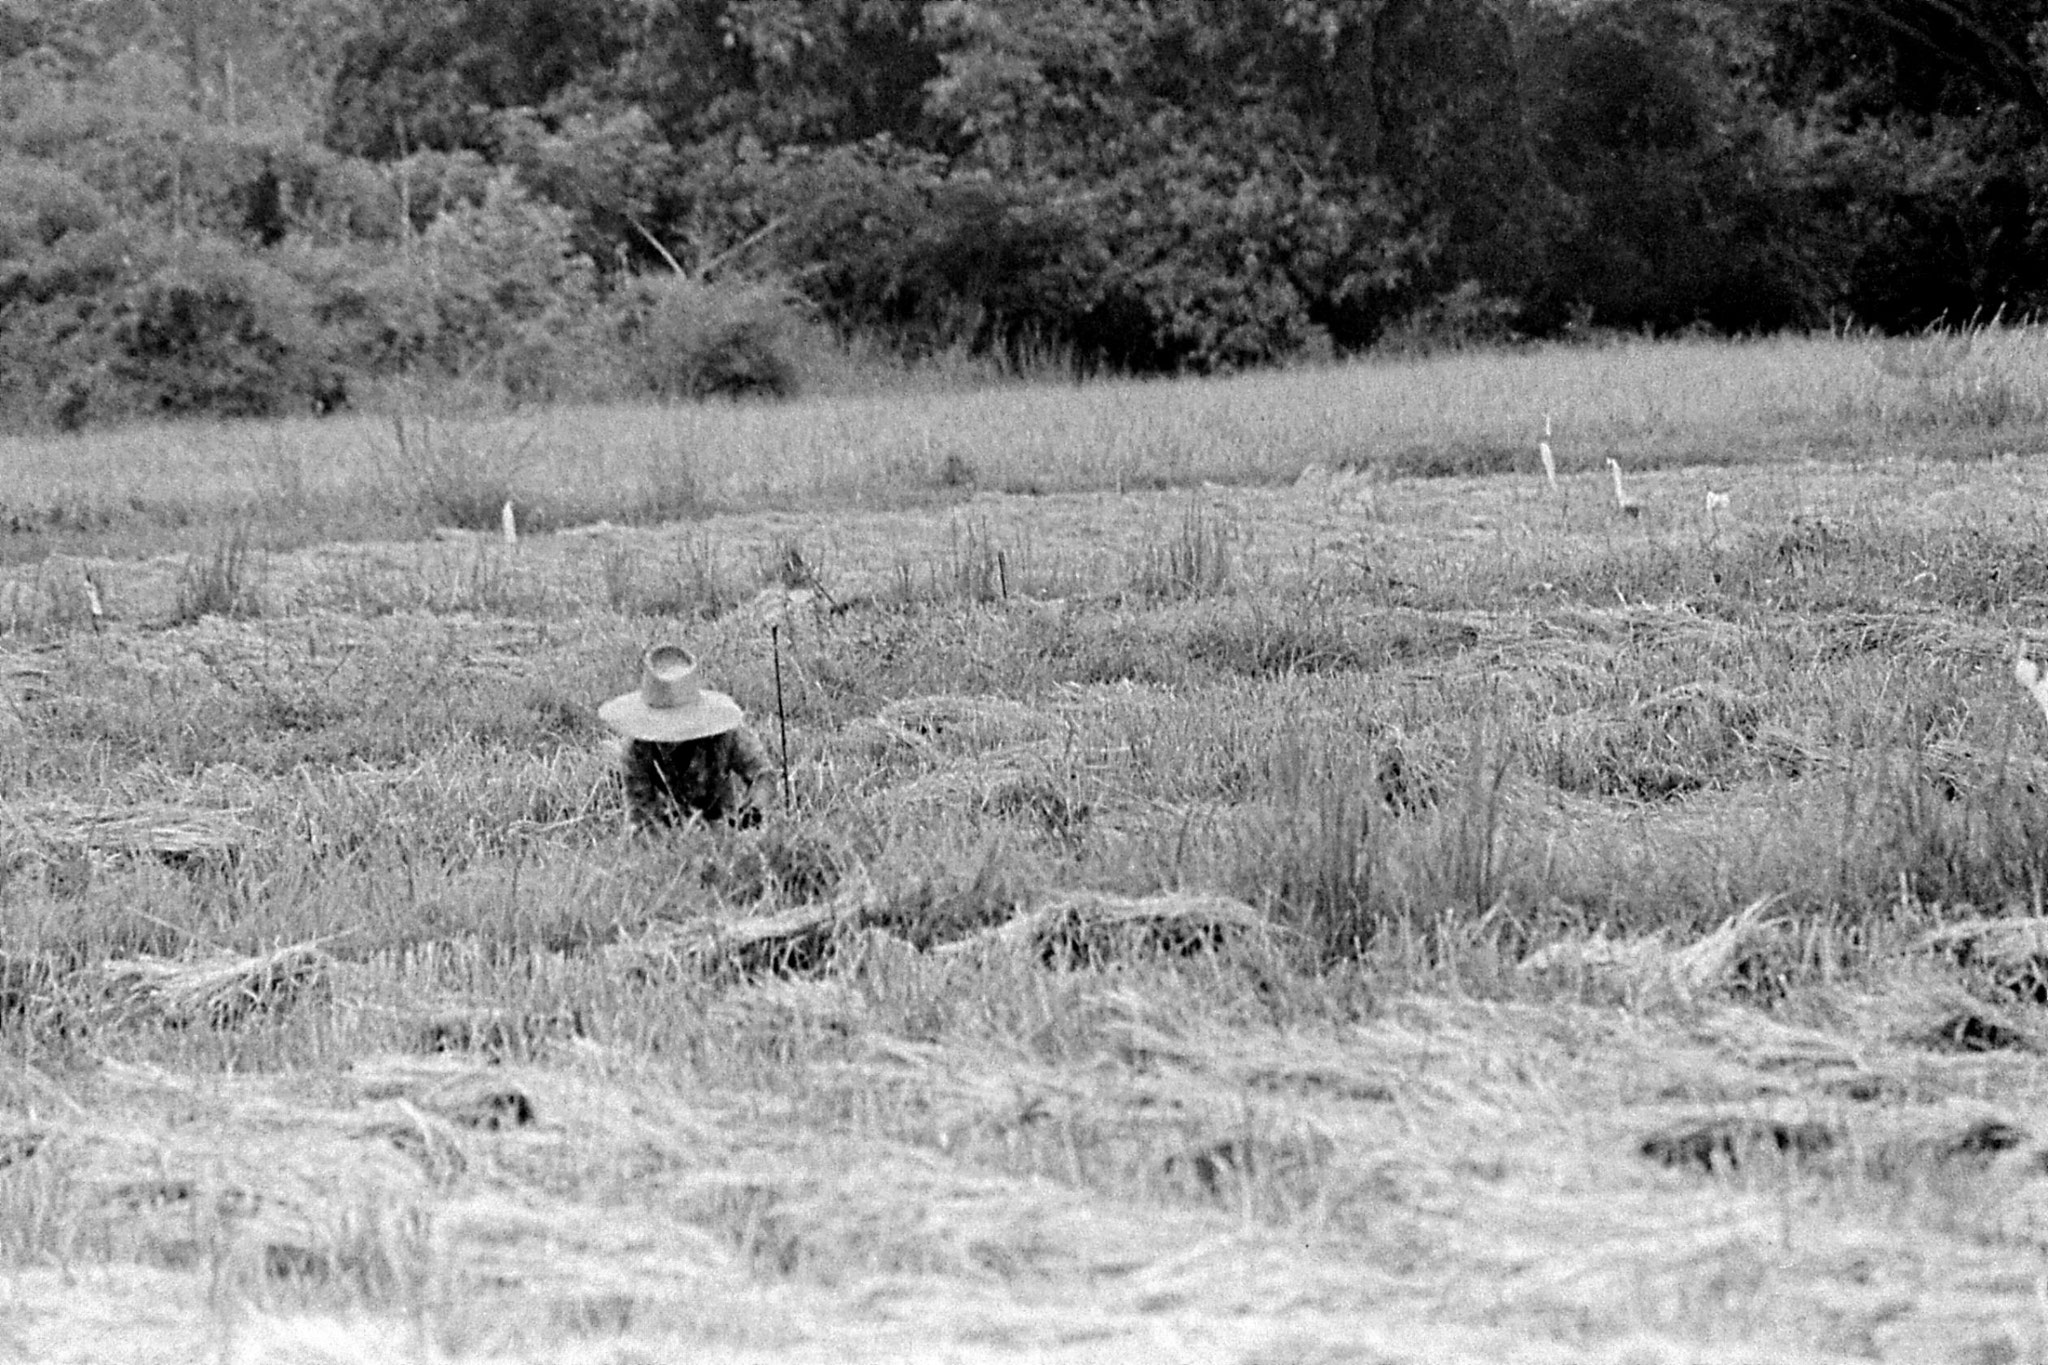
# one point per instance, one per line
(1549, 460)
(1628, 505)
(511, 524)
(2029, 676)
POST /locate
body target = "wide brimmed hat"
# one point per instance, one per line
(671, 704)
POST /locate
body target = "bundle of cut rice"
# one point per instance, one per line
(2009, 955)
(796, 942)
(1089, 927)
(212, 993)
(164, 829)
(1651, 966)
(972, 722)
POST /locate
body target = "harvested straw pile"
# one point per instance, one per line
(1649, 967)
(495, 1034)
(1074, 928)
(937, 754)
(201, 994)
(967, 722)
(2009, 956)
(175, 833)
(1953, 1019)
(798, 942)
(1905, 1146)
(1005, 783)
(935, 729)
(1088, 928)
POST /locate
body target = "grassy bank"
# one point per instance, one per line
(1650, 406)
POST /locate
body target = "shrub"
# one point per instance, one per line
(39, 204)
(174, 170)
(213, 330)
(1463, 318)
(55, 351)
(352, 200)
(492, 291)
(114, 324)
(695, 339)
(377, 308)
(513, 298)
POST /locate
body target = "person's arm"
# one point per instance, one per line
(747, 763)
(749, 756)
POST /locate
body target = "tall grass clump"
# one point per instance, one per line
(218, 581)
(1198, 558)
(450, 476)
(1955, 834)
(980, 565)
(1983, 376)
(696, 584)
(621, 574)
(1316, 861)
(670, 490)
(977, 566)
(1361, 857)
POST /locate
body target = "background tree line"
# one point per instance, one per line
(258, 206)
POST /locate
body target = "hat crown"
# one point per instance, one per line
(668, 678)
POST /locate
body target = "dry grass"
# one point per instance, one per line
(1649, 406)
(1352, 916)
(1438, 1182)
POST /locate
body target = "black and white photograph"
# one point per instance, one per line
(1024, 682)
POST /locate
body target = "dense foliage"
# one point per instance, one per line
(256, 206)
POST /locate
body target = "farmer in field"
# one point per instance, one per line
(689, 754)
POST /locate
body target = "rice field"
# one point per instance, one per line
(1266, 874)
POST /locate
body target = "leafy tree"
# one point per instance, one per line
(607, 166)
(564, 196)
(208, 329)
(1684, 205)
(1925, 120)
(780, 72)
(1210, 219)
(431, 73)
(1864, 61)
(40, 204)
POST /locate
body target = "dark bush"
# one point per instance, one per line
(375, 308)
(40, 203)
(698, 340)
(213, 330)
(56, 318)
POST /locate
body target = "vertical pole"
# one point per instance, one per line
(781, 716)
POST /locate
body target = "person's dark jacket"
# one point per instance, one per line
(708, 779)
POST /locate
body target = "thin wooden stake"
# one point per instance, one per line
(781, 716)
